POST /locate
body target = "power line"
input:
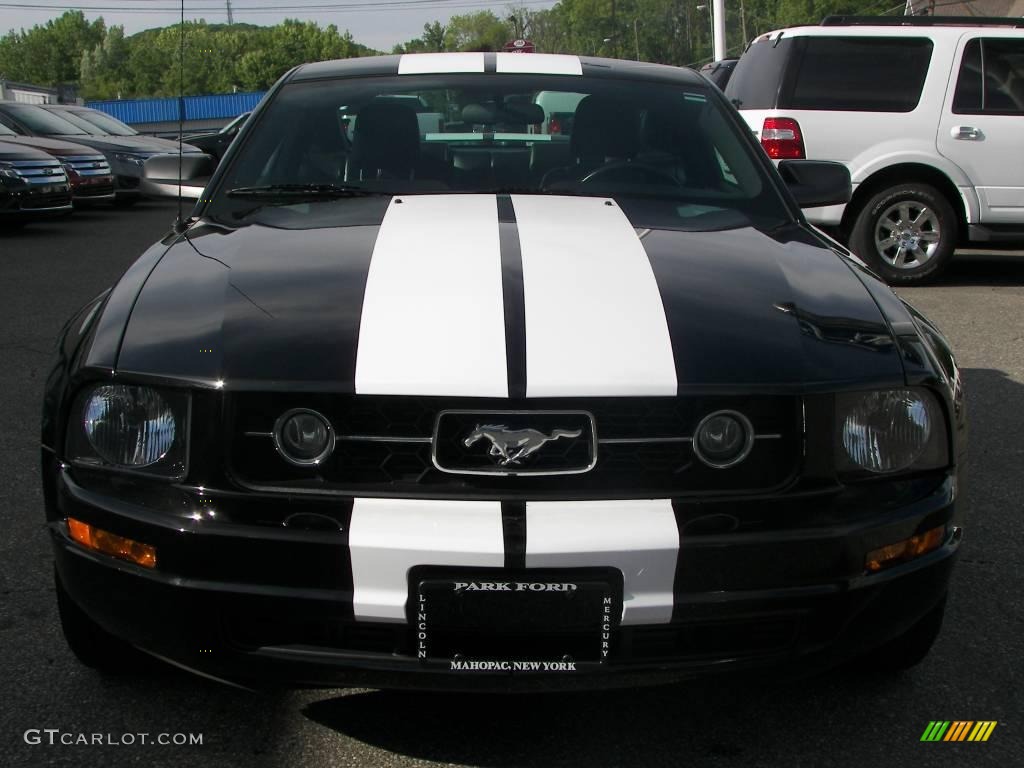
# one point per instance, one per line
(335, 8)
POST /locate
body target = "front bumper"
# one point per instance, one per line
(263, 606)
(94, 189)
(127, 186)
(37, 201)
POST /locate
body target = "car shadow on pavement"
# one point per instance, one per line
(91, 217)
(735, 721)
(983, 268)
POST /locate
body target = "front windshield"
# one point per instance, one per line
(670, 146)
(40, 121)
(86, 126)
(106, 123)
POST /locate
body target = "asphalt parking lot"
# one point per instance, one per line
(846, 718)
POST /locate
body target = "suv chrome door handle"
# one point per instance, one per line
(966, 133)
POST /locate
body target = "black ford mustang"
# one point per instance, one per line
(433, 390)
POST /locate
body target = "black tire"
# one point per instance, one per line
(932, 222)
(93, 645)
(909, 649)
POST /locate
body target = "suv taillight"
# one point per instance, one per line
(781, 138)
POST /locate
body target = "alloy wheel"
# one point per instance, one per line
(907, 234)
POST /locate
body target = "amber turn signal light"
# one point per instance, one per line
(111, 544)
(902, 551)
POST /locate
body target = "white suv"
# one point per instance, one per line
(926, 112)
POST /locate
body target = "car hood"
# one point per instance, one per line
(142, 143)
(50, 146)
(20, 152)
(463, 295)
(104, 143)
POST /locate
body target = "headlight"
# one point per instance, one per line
(131, 159)
(7, 172)
(890, 431)
(130, 427)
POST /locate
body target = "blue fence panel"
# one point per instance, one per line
(217, 106)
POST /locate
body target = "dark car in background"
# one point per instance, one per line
(125, 154)
(99, 123)
(108, 124)
(719, 72)
(87, 170)
(33, 185)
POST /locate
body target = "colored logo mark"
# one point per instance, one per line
(958, 730)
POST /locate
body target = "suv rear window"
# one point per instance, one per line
(756, 81)
(877, 74)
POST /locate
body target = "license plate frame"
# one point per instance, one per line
(499, 621)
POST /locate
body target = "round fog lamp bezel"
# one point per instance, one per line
(748, 444)
(276, 436)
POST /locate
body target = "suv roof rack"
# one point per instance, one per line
(922, 21)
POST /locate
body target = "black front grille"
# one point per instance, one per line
(384, 447)
(93, 190)
(48, 200)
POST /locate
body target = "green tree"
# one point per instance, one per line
(477, 31)
(50, 54)
(104, 69)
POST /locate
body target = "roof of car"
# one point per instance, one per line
(498, 63)
(937, 31)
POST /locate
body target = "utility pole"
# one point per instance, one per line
(231, 15)
(718, 19)
(615, 34)
(636, 40)
(743, 24)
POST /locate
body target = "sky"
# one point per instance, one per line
(379, 27)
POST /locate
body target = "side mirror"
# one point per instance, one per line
(816, 183)
(160, 175)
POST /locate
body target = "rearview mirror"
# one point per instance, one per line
(816, 183)
(160, 175)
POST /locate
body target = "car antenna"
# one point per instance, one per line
(179, 224)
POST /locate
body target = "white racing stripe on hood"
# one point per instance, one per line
(639, 537)
(595, 323)
(431, 63)
(433, 321)
(387, 537)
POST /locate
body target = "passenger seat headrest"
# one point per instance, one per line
(387, 137)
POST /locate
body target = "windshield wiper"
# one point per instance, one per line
(304, 191)
(291, 194)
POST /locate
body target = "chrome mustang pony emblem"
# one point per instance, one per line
(511, 446)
